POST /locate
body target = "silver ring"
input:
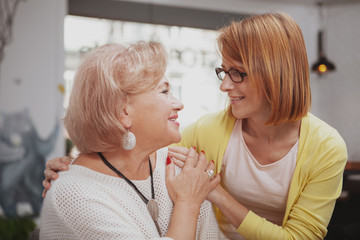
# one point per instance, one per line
(210, 173)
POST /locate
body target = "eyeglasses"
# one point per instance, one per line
(235, 75)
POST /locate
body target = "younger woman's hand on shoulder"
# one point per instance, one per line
(52, 167)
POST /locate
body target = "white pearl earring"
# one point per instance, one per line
(129, 140)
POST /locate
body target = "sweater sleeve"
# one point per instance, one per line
(208, 227)
(86, 213)
(316, 185)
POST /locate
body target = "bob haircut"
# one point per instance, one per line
(272, 48)
(104, 79)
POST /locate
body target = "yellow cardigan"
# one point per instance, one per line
(315, 186)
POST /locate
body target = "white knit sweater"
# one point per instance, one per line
(85, 204)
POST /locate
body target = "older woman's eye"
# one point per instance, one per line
(165, 91)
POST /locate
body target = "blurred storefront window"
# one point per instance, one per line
(192, 58)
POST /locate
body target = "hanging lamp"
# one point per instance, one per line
(322, 65)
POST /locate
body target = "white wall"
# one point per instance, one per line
(304, 12)
(33, 66)
(336, 95)
(36, 57)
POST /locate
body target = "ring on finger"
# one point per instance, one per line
(210, 173)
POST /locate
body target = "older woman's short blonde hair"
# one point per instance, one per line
(102, 82)
(271, 47)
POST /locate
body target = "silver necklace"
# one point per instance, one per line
(152, 205)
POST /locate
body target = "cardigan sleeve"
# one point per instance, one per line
(316, 184)
(308, 218)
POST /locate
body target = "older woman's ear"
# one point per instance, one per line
(125, 118)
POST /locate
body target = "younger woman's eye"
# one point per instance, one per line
(165, 91)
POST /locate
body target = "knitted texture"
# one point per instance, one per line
(85, 204)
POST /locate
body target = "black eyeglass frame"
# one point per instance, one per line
(219, 70)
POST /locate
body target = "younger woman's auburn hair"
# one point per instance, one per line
(104, 79)
(272, 49)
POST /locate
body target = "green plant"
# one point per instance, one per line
(16, 228)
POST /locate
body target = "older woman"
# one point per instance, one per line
(121, 112)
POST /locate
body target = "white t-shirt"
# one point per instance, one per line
(263, 189)
(85, 204)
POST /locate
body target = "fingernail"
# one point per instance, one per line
(194, 148)
(203, 151)
(168, 160)
(213, 161)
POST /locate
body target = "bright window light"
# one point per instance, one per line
(192, 58)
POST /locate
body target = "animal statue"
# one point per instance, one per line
(22, 162)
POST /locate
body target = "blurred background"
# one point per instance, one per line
(42, 41)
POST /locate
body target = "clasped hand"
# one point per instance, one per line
(193, 184)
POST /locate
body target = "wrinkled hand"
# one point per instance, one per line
(193, 184)
(178, 155)
(52, 167)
